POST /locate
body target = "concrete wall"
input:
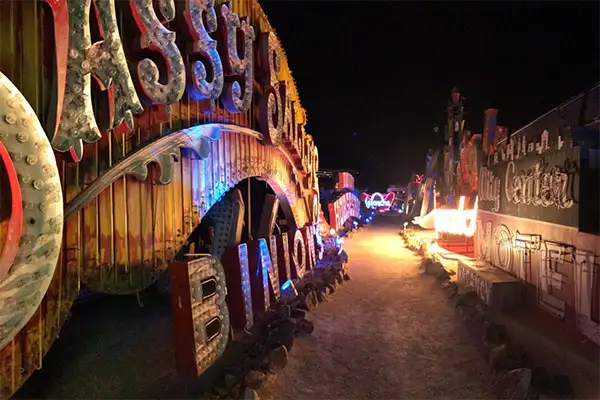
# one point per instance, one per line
(558, 264)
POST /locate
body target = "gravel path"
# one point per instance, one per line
(389, 333)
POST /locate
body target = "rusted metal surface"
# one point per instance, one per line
(133, 186)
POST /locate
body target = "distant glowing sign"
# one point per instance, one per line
(456, 222)
(379, 201)
(419, 178)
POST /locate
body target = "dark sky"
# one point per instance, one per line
(384, 71)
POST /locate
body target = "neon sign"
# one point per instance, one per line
(379, 201)
(456, 222)
(342, 209)
(419, 178)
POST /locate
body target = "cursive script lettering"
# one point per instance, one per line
(238, 62)
(105, 61)
(489, 188)
(377, 200)
(537, 187)
(201, 18)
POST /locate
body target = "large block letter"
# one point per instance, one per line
(269, 269)
(298, 251)
(239, 72)
(105, 60)
(262, 276)
(283, 257)
(309, 238)
(201, 317)
(239, 295)
(202, 19)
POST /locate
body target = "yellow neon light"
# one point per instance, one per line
(456, 222)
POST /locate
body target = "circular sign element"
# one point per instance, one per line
(34, 185)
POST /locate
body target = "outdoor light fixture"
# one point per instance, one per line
(288, 291)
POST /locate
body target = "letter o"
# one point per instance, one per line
(298, 243)
(502, 252)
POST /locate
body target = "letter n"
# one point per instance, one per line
(269, 275)
(282, 254)
(239, 294)
(309, 238)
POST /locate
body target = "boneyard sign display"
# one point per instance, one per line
(122, 125)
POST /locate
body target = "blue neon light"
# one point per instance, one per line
(286, 284)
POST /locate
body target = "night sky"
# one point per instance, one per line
(375, 77)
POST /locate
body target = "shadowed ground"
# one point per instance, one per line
(389, 333)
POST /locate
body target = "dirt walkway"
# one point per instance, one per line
(389, 333)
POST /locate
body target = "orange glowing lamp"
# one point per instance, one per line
(456, 222)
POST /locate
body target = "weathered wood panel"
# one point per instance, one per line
(160, 220)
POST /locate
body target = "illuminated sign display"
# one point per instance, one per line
(256, 269)
(379, 201)
(342, 209)
(456, 222)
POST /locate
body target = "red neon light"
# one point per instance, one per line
(10, 247)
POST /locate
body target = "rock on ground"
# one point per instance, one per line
(389, 333)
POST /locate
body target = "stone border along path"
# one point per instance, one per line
(390, 333)
(513, 371)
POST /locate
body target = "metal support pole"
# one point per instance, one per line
(249, 211)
